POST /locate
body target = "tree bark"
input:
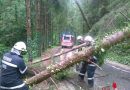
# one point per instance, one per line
(106, 43)
(28, 18)
(38, 26)
(61, 53)
(28, 28)
(45, 24)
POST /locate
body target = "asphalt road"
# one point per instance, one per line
(110, 73)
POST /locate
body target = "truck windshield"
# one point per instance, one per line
(66, 38)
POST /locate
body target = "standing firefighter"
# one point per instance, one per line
(88, 65)
(13, 67)
(91, 70)
(80, 40)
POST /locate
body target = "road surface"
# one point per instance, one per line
(112, 72)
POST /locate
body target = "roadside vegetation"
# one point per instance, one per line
(117, 19)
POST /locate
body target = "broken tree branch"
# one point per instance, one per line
(54, 83)
(56, 55)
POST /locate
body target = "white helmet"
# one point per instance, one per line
(20, 46)
(79, 38)
(89, 39)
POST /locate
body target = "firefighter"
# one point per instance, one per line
(79, 41)
(91, 70)
(88, 66)
(13, 67)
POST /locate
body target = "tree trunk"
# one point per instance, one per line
(42, 26)
(45, 25)
(106, 43)
(83, 15)
(38, 26)
(59, 54)
(28, 27)
(28, 18)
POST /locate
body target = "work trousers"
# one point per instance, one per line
(83, 69)
(90, 69)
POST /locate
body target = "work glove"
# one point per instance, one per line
(30, 72)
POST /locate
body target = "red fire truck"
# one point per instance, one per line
(67, 41)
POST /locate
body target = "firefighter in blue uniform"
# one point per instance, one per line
(91, 70)
(13, 67)
(88, 66)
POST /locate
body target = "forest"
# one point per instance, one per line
(40, 23)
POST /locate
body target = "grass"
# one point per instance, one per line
(118, 58)
(120, 53)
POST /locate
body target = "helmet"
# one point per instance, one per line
(89, 39)
(20, 46)
(79, 38)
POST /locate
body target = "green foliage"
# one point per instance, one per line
(103, 10)
(34, 48)
(115, 4)
(101, 55)
(12, 22)
(120, 53)
(112, 22)
(3, 49)
(96, 9)
(118, 58)
(63, 74)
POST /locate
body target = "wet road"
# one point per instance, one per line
(110, 73)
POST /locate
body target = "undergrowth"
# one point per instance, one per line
(64, 74)
(120, 53)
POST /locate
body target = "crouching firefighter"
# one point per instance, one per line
(13, 68)
(88, 65)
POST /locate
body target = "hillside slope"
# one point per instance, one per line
(117, 19)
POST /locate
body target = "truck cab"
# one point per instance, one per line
(67, 41)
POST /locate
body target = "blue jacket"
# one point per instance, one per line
(13, 67)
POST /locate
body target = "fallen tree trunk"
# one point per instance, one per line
(106, 43)
(56, 55)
